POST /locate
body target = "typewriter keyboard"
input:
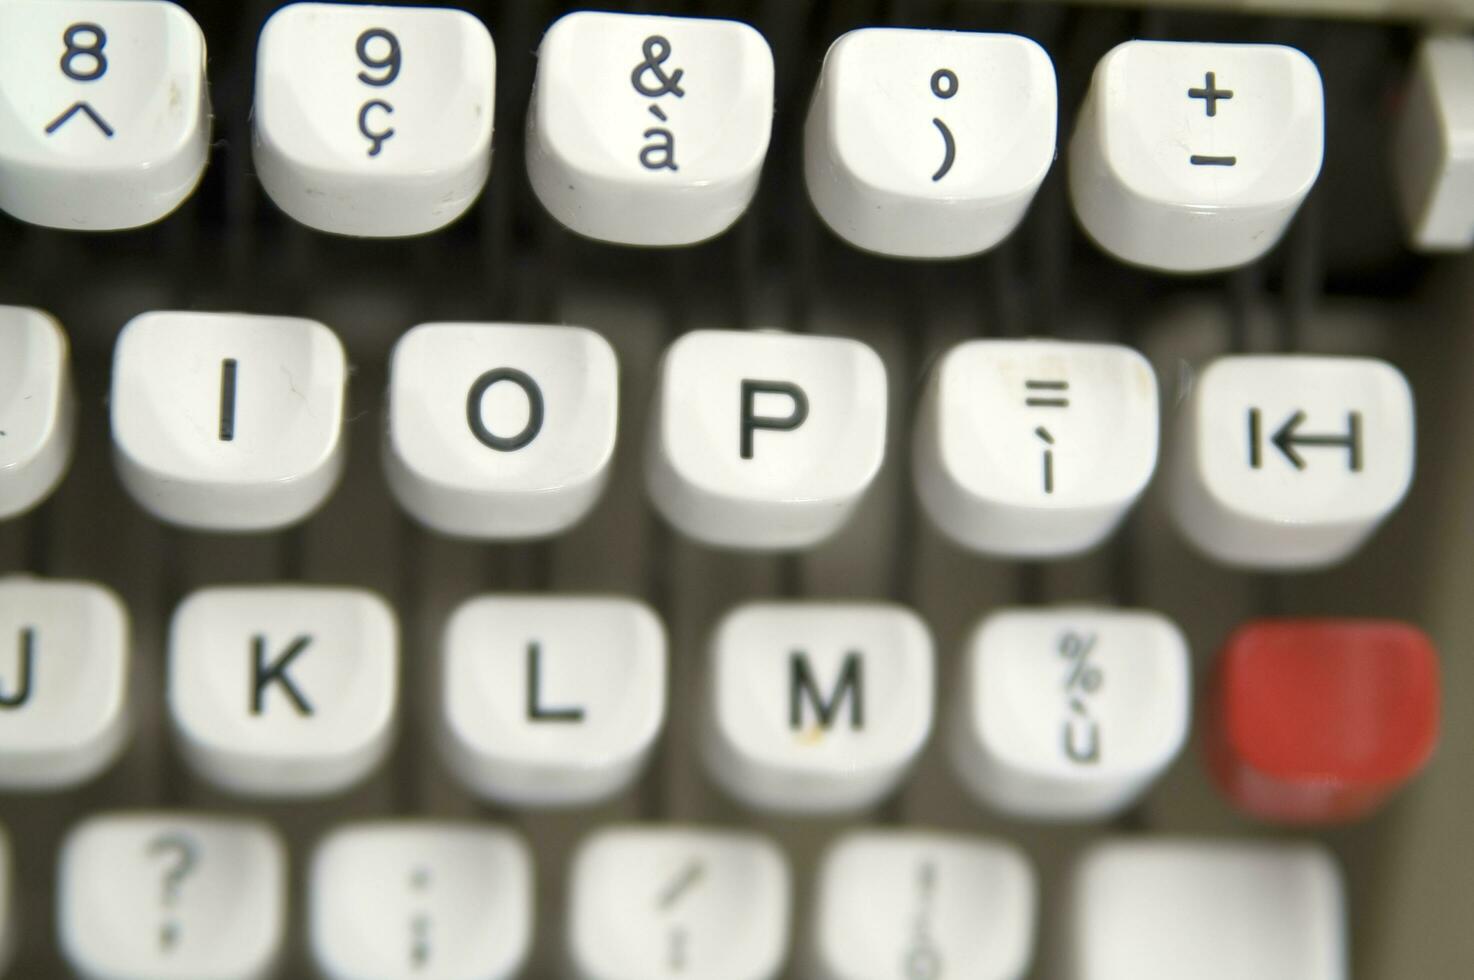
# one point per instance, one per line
(772, 490)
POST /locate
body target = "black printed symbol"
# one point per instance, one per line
(659, 151)
(419, 923)
(1047, 400)
(1048, 441)
(687, 878)
(87, 111)
(376, 137)
(1287, 438)
(228, 372)
(89, 54)
(388, 64)
(656, 50)
(944, 83)
(923, 959)
(944, 86)
(1210, 93)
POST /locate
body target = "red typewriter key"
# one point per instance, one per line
(1320, 720)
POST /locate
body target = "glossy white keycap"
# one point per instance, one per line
(1167, 909)
(903, 904)
(1191, 157)
(9, 930)
(228, 422)
(929, 144)
(648, 130)
(414, 900)
(64, 652)
(1434, 149)
(764, 440)
(1033, 448)
(373, 120)
(38, 407)
(1069, 714)
(500, 430)
(104, 111)
(660, 904)
(155, 896)
(551, 700)
(1290, 461)
(816, 706)
(283, 690)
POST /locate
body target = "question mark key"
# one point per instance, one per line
(152, 896)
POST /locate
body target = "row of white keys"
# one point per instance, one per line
(557, 701)
(401, 899)
(757, 440)
(377, 121)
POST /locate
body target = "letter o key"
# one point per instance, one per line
(529, 431)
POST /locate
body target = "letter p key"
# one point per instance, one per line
(809, 414)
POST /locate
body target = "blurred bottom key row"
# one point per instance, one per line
(1064, 714)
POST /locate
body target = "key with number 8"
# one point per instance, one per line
(104, 112)
(374, 121)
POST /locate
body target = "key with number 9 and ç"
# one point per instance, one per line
(374, 121)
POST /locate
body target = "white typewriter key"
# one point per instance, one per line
(816, 707)
(228, 422)
(104, 112)
(500, 430)
(764, 440)
(1169, 909)
(1032, 448)
(551, 700)
(649, 130)
(63, 682)
(1435, 146)
(1192, 157)
(660, 904)
(373, 121)
(283, 691)
(1069, 714)
(415, 900)
(38, 407)
(929, 144)
(914, 906)
(1290, 461)
(155, 896)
